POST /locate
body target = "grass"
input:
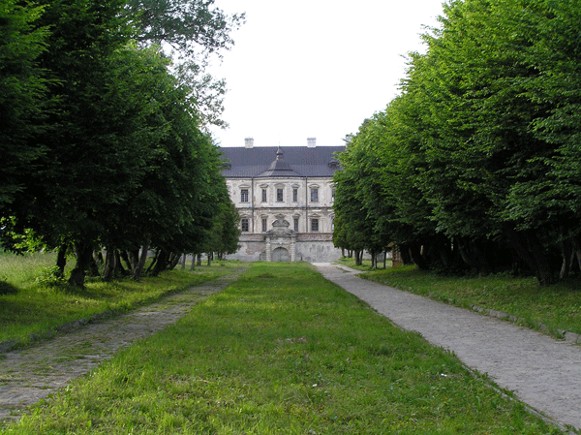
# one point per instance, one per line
(34, 307)
(552, 309)
(281, 351)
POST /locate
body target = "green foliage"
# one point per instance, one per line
(267, 355)
(22, 97)
(122, 161)
(477, 160)
(190, 32)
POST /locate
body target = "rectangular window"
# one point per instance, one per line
(315, 225)
(279, 195)
(264, 225)
(263, 195)
(314, 194)
(295, 195)
(245, 225)
(332, 195)
(296, 224)
(243, 195)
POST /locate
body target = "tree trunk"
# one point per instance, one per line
(133, 259)
(173, 261)
(61, 261)
(141, 263)
(162, 262)
(193, 264)
(119, 264)
(210, 258)
(417, 257)
(199, 260)
(84, 253)
(373, 260)
(93, 267)
(110, 265)
(566, 253)
(532, 252)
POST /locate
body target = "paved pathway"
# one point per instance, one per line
(29, 375)
(543, 372)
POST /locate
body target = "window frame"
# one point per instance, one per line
(264, 225)
(245, 222)
(244, 195)
(264, 194)
(315, 225)
(314, 194)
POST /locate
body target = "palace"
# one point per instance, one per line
(284, 196)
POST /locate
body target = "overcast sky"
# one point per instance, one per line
(315, 68)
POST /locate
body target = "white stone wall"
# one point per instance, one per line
(256, 209)
(310, 246)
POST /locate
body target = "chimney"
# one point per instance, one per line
(311, 142)
(249, 142)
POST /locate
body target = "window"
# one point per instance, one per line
(243, 195)
(332, 195)
(264, 225)
(245, 225)
(279, 195)
(314, 194)
(296, 224)
(315, 225)
(264, 195)
(295, 194)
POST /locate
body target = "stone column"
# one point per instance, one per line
(293, 249)
(268, 249)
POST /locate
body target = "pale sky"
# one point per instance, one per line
(315, 68)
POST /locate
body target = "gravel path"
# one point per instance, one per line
(543, 372)
(31, 374)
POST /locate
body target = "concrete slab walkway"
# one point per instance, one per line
(543, 372)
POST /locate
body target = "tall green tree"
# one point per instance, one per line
(192, 33)
(22, 97)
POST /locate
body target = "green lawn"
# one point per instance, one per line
(557, 307)
(281, 351)
(34, 307)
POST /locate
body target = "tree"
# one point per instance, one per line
(22, 98)
(190, 32)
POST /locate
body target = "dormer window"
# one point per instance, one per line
(333, 164)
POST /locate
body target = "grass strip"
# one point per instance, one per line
(281, 351)
(35, 307)
(552, 309)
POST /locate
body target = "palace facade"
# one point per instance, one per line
(284, 196)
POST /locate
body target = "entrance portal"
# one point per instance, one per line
(280, 254)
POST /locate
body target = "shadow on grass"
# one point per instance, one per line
(7, 289)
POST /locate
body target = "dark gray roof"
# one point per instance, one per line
(293, 162)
